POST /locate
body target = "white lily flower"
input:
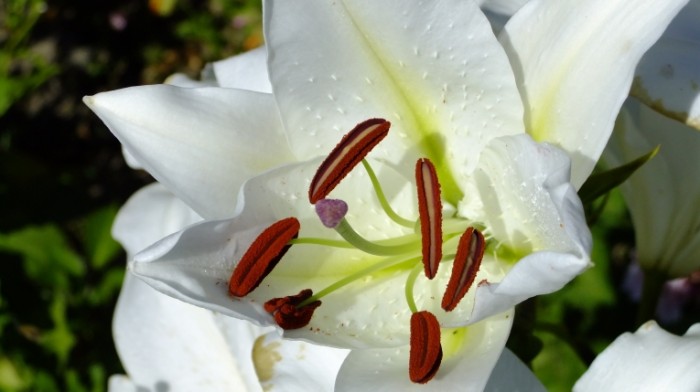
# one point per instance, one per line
(167, 344)
(668, 76)
(650, 359)
(664, 195)
(450, 99)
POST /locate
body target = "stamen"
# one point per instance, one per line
(262, 256)
(354, 146)
(382, 198)
(466, 264)
(288, 314)
(426, 351)
(430, 213)
(331, 211)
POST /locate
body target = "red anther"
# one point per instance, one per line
(430, 214)
(470, 251)
(286, 312)
(426, 351)
(354, 146)
(262, 256)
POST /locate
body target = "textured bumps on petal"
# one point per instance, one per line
(331, 211)
(262, 256)
(426, 351)
(352, 149)
(470, 252)
(287, 312)
(430, 214)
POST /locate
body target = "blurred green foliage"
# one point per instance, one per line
(62, 176)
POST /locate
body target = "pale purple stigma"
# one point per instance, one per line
(331, 211)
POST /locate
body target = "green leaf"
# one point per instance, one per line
(557, 365)
(100, 247)
(48, 259)
(108, 287)
(60, 340)
(601, 183)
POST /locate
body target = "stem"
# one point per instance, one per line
(382, 198)
(350, 235)
(653, 284)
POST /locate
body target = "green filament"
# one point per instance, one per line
(383, 201)
(351, 236)
(408, 289)
(392, 262)
(321, 241)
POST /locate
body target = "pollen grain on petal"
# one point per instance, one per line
(426, 351)
(354, 146)
(262, 256)
(430, 214)
(287, 312)
(470, 252)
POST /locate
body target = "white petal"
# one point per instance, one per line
(574, 61)
(668, 76)
(651, 359)
(201, 143)
(196, 264)
(121, 383)
(293, 366)
(159, 339)
(528, 205)
(241, 337)
(512, 375)
(503, 7)
(149, 215)
(663, 196)
(465, 366)
(434, 70)
(166, 343)
(247, 71)
(182, 80)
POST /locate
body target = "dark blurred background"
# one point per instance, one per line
(62, 176)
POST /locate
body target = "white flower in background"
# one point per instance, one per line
(664, 195)
(167, 344)
(668, 76)
(438, 74)
(650, 359)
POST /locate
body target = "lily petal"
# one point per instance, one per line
(535, 210)
(668, 77)
(196, 138)
(416, 68)
(559, 49)
(121, 383)
(155, 205)
(246, 71)
(650, 359)
(664, 195)
(160, 339)
(293, 366)
(469, 356)
(512, 375)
